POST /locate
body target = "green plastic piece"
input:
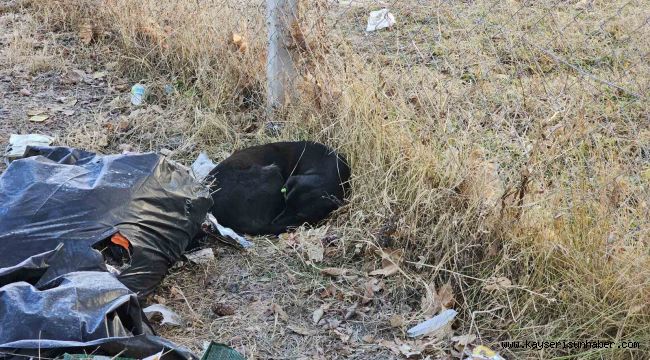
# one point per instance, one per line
(218, 351)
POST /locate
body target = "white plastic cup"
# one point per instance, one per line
(137, 94)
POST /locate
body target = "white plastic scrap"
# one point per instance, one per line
(203, 256)
(168, 316)
(380, 19)
(433, 324)
(18, 144)
(157, 356)
(202, 166)
(229, 233)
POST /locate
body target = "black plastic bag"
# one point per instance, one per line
(80, 312)
(65, 196)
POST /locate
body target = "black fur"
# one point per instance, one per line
(248, 186)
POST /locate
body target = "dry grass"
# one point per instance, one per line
(506, 139)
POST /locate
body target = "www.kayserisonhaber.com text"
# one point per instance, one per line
(568, 344)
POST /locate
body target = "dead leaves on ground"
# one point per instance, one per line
(391, 259)
(434, 300)
(87, 32)
(239, 42)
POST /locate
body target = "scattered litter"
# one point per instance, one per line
(202, 166)
(167, 315)
(156, 206)
(156, 356)
(317, 315)
(229, 236)
(137, 94)
(25, 92)
(218, 351)
(380, 19)
(485, 353)
(39, 118)
(203, 256)
(433, 324)
(169, 89)
(19, 143)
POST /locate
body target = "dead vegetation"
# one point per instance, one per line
(500, 155)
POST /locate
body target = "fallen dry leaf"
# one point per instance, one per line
(329, 292)
(371, 286)
(279, 312)
(433, 301)
(390, 261)
(397, 321)
(497, 283)
(408, 349)
(386, 271)
(86, 33)
(464, 340)
(446, 295)
(240, 43)
(368, 339)
(331, 324)
(352, 310)
(334, 271)
(301, 330)
(39, 118)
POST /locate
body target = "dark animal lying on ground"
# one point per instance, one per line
(265, 189)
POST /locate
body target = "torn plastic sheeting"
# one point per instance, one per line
(168, 316)
(380, 19)
(80, 312)
(79, 199)
(202, 166)
(18, 144)
(433, 324)
(229, 235)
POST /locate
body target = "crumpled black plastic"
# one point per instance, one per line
(79, 312)
(57, 207)
(66, 196)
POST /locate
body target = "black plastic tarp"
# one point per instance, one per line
(81, 312)
(79, 199)
(58, 208)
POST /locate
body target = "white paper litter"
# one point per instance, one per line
(202, 166)
(203, 256)
(230, 233)
(18, 144)
(168, 316)
(380, 19)
(432, 324)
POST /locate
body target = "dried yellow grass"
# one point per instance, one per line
(508, 139)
